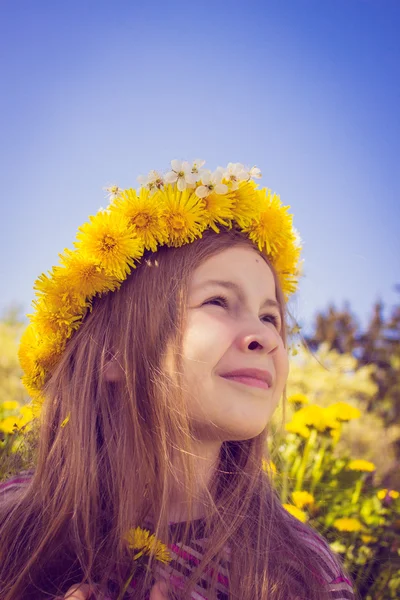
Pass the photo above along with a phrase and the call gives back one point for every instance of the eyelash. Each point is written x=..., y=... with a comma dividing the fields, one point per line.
x=224, y=300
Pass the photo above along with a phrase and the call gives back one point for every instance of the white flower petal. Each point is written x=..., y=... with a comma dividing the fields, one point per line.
x=217, y=175
x=255, y=172
x=181, y=185
x=198, y=163
x=206, y=177
x=142, y=179
x=176, y=165
x=191, y=178
x=234, y=186
x=171, y=177
x=153, y=176
x=186, y=167
x=221, y=188
x=202, y=191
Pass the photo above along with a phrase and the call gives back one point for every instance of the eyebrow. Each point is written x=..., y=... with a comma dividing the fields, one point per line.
x=230, y=285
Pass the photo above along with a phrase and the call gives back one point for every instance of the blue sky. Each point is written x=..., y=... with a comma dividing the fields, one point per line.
x=96, y=92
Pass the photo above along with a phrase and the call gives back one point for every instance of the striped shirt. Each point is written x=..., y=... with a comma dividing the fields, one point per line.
x=186, y=558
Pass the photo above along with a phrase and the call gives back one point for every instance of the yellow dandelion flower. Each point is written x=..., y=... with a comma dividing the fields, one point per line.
x=26, y=415
x=343, y=411
x=268, y=466
x=9, y=424
x=247, y=201
x=109, y=239
x=369, y=539
x=10, y=405
x=218, y=209
x=302, y=499
x=316, y=416
x=296, y=512
x=298, y=399
x=37, y=349
x=57, y=291
x=287, y=266
x=34, y=382
x=361, y=465
x=144, y=214
x=54, y=320
x=273, y=229
x=385, y=492
x=85, y=275
x=145, y=543
x=298, y=428
x=185, y=216
x=348, y=524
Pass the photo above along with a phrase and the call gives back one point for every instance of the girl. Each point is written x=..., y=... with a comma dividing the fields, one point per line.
x=157, y=352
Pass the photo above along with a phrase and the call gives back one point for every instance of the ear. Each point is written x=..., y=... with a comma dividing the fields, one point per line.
x=113, y=371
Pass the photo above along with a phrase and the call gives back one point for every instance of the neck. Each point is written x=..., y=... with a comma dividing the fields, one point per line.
x=205, y=456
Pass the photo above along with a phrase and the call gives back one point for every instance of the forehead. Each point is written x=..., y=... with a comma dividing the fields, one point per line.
x=241, y=265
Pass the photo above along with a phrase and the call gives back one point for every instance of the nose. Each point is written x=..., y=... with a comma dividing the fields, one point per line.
x=264, y=338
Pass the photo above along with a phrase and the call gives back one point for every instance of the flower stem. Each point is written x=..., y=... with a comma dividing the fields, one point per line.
x=303, y=465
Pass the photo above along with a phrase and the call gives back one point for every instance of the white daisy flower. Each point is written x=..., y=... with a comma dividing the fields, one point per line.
x=113, y=191
x=154, y=180
x=196, y=168
x=255, y=173
x=212, y=182
x=235, y=172
x=181, y=174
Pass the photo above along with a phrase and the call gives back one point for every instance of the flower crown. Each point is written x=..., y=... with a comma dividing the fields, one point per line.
x=173, y=210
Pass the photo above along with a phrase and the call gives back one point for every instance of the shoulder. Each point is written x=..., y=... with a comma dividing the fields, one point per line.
x=330, y=566
x=15, y=483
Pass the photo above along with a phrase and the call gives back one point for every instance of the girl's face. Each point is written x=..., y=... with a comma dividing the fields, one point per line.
x=233, y=323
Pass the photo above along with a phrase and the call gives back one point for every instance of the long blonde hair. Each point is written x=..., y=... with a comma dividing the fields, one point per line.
x=110, y=466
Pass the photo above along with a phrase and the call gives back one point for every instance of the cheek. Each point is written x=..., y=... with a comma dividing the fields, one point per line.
x=282, y=366
x=205, y=339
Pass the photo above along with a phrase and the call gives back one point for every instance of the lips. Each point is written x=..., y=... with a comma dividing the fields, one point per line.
x=255, y=377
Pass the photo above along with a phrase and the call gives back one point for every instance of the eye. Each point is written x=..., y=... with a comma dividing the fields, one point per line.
x=272, y=319
x=218, y=300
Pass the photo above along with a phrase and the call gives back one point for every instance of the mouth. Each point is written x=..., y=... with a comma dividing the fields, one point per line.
x=251, y=381
x=250, y=377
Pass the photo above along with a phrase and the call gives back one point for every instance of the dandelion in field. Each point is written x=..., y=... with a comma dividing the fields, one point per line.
x=9, y=405
x=343, y=411
x=268, y=466
x=348, y=524
x=298, y=399
x=384, y=493
x=302, y=499
x=298, y=428
x=361, y=465
x=296, y=512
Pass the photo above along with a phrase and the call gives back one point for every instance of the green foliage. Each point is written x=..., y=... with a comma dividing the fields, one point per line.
x=337, y=495
x=17, y=439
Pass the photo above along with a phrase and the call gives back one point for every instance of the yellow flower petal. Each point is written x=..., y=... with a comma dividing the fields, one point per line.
x=296, y=512
x=85, y=275
x=10, y=405
x=273, y=228
x=143, y=542
x=298, y=399
x=361, y=465
x=348, y=524
x=298, y=428
x=302, y=499
x=343, y=411
x=109, y=239
x=145, y=215
x=185, y=217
